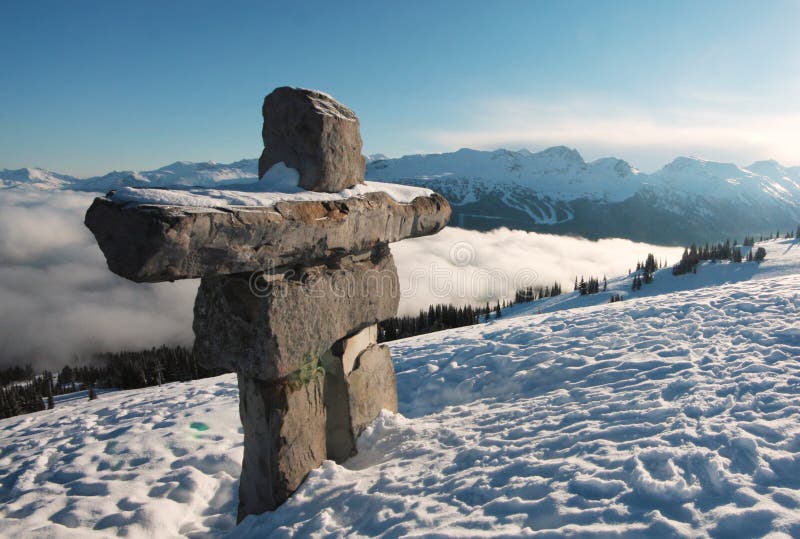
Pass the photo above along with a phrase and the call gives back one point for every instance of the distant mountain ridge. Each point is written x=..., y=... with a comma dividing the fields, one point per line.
x=179, y=173
x=554, y=191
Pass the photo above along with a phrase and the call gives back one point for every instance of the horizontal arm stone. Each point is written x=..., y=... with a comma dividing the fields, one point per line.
x=149, y=243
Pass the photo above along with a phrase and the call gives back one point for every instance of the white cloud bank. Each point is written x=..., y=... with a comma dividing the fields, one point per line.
x=58, y=299
x=464, y=266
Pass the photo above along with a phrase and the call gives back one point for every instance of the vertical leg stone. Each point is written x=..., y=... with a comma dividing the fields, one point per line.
x=372, y=386
x=359, y=382
x=284, y=439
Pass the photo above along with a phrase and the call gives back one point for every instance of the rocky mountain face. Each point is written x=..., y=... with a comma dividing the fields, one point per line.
x=553, y=191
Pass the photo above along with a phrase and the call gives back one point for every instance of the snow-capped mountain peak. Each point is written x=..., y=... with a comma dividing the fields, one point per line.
x=561, y=153
x=619, y=167
x=695, y=165
x=774, y=170
x=33, y=176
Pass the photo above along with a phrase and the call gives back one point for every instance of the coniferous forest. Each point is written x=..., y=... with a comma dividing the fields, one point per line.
x=693, y=255
x=23, y=391
x=439, y=317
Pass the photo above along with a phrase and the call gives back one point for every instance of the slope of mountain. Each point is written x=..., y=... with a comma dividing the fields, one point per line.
x=553, y=191
x=670, y=415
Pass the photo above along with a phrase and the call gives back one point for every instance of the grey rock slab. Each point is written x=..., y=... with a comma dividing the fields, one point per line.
x=313, y=133
x=150, y=243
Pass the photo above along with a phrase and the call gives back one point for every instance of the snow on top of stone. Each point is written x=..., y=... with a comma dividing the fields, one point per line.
x=278, y=185
x=326, y=104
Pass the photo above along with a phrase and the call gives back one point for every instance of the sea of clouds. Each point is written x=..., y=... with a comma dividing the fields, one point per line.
x=58, y=300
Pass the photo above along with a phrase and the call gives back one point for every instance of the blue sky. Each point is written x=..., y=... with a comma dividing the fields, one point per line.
x=87, y=87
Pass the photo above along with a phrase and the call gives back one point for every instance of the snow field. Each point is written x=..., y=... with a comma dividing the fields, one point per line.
x=155, y=462
x=665, y=415
x=662, y=417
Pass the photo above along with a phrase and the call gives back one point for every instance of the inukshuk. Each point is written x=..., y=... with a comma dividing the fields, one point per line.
x=291, y=290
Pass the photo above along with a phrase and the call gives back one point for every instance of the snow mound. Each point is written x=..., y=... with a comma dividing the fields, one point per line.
x=671, y=415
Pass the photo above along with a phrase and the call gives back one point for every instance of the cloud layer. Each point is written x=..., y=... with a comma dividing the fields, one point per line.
x=464, y=266
x=58, y=299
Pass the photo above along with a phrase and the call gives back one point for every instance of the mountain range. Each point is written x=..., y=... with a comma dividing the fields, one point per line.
x=554, y=191
x=557, y=191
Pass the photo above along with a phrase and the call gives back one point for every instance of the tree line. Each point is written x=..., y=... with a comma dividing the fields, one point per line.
x=694, y=254
x=447, y=316
x=24, y=392
x=436, y=318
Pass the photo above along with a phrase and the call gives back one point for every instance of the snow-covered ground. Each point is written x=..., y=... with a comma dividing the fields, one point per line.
x=673, y=414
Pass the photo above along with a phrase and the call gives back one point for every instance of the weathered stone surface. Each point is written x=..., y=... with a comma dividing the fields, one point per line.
x=293, y=319
x=354, y=399
x=166, y=243
x=339, y=441
x=352, y=346
x=284, y=439
x=314, y=134
x=372, y=386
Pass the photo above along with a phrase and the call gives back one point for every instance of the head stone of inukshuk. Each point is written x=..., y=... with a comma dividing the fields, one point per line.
x=291, y=286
